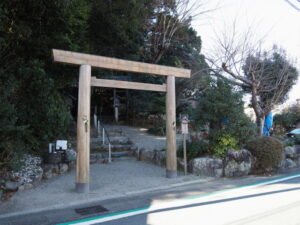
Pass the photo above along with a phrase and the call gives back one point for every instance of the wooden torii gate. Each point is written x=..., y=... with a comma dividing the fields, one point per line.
x=86, y=61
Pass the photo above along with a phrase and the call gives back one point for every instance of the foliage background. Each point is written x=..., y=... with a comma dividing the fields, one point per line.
x=38, y=96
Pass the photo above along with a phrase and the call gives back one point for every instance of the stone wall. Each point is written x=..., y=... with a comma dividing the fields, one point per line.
x=291, y=157
x=158, y=157
x=29, y=175
x=237, y=163
x=58, y=165
x=206, y=166
x=32, y=171
x=234, y=164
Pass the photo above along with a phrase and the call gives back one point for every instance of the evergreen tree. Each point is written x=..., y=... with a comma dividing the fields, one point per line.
x=117, y=28
x=31, y=84
x=222, y=108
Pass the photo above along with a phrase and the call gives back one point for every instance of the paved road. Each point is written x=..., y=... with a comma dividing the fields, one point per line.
x=274, y=203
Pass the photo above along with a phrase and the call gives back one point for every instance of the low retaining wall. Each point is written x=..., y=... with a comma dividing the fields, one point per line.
x=32, y=171
x=29, y=175
x=234, y=164
x=291, y=157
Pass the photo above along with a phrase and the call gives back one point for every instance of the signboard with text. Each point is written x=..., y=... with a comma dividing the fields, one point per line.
x=184, y=125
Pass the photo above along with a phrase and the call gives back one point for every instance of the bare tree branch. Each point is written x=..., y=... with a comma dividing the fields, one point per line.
x=239, y=59
x=293, y=5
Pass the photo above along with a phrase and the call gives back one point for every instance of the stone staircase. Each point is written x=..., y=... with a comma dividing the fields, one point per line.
x=121, y=146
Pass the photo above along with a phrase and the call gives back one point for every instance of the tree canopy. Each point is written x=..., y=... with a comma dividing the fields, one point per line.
x=267, y=75
x=272, y=75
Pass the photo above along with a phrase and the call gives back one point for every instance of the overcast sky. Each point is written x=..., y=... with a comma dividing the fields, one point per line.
x=275, y=20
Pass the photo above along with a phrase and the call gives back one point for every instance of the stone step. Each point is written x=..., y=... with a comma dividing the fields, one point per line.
x=103, y=157
x=113, y=154
x=123, y=158
x=114, y=147
x=120, y=140
x=113, y=140
x=111, y=131
x=119, y=154
x=124, y=147
x=114, y=132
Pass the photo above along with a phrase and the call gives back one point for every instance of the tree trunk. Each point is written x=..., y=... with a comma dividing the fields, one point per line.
x=261, y=122
x=260, y=117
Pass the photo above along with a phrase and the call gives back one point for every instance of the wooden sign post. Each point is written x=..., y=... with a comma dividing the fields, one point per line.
x=184, y=131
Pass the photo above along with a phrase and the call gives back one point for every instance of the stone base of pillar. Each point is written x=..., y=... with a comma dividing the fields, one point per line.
x=171, y=173
x=82, y=188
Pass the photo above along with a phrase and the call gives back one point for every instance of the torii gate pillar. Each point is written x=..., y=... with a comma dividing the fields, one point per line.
x=171, y=159
x=83, y=130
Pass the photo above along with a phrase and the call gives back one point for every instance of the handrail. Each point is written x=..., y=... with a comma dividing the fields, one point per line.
x=104, y=133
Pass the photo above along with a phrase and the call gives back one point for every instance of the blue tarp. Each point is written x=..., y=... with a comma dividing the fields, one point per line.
x=268, y=124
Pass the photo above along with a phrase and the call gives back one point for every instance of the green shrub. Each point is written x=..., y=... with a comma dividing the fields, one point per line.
x=221, y=141
x=158, y=129
x=16, y=162
x=267, y=152
x=221, y=107
x=194, y=149
x=243, y=129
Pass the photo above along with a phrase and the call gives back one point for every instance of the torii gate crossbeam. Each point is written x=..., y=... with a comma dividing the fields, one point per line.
x=86, y=62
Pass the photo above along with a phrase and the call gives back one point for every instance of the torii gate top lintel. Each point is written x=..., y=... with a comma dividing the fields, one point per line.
x=76, y=58
x=86, y=62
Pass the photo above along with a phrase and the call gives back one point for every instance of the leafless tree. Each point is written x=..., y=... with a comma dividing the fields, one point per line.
x=266, y=75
